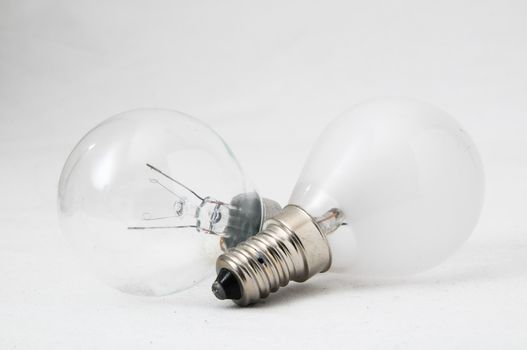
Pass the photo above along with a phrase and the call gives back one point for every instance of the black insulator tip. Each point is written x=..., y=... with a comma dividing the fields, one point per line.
x=226, y=286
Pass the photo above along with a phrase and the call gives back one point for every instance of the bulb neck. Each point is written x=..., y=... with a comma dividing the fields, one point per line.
x=269, y=209
x=291, y=247
x=247, y=214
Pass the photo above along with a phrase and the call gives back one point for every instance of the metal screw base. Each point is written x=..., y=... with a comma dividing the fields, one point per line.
x=291, y=247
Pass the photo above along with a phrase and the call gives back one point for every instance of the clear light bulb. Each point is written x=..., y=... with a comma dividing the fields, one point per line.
x=400, y=183
x=148, y=197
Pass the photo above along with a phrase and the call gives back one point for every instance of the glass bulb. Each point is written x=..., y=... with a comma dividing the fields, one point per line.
x=147, y=196
x=408, y=180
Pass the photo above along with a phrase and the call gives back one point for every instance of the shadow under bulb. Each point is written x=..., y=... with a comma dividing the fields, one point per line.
x=149, y=197
x=391, y=187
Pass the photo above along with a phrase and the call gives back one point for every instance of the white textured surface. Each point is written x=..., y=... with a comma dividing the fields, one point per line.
x=267, y=77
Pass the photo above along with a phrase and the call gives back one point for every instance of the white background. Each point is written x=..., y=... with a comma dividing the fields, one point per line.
x=267, y=76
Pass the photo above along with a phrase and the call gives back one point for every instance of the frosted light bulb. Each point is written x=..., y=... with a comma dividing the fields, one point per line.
x=402, y=175
x=148, y=196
